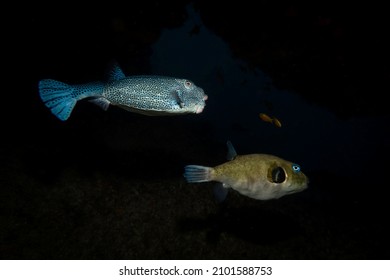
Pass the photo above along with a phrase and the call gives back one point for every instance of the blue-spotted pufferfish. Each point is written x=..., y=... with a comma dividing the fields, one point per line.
x=148, y=95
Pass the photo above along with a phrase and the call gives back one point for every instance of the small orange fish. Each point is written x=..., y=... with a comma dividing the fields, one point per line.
x=273, y=120
x=276, y=122
x=265, y=117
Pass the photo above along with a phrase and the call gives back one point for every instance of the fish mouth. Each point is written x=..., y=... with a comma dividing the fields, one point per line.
x=304, y=187
x=199, y=109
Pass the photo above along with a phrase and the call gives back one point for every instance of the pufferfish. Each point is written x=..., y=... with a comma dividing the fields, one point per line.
x=258, y=176
x=147, y=95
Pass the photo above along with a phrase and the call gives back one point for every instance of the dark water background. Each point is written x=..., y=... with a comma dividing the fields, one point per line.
x=109, y=185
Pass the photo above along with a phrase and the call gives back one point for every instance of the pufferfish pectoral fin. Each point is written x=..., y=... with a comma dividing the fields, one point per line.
x=220, y=192
x=176, y=96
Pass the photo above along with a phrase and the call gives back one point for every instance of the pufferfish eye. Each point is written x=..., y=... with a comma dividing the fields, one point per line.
x=187, y=84
x=278, y=175
x=296, y=168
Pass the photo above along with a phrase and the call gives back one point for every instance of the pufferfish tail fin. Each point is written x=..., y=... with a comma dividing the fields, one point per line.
x=57, y=96
x=198, y=173
x=61, y=98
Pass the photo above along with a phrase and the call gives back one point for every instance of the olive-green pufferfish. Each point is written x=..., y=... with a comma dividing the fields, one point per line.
x=147, y=95
x=259, y=176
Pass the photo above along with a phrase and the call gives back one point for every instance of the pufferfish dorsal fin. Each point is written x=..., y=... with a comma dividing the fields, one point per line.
x=115, y=72
x=231, y=154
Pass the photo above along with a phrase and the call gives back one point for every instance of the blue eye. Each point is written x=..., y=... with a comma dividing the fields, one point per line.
x=296, y=168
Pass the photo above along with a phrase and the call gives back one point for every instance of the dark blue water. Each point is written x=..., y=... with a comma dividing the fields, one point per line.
x=310, y=134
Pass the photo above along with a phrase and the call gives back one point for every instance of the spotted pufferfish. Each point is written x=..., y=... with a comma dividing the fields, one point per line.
x=148, y=95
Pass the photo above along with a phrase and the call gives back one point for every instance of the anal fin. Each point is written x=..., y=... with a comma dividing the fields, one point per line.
x=101, y=102
x=220, y=192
